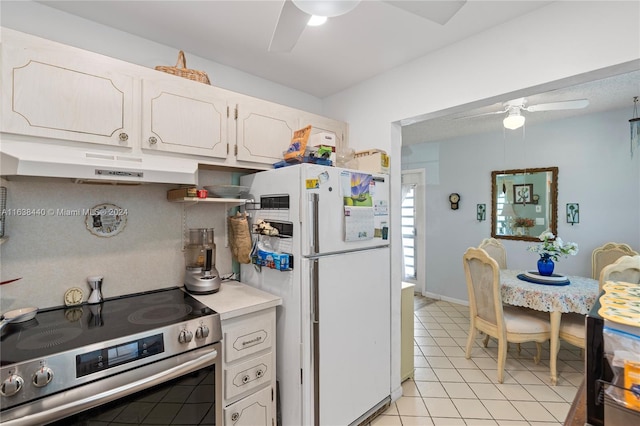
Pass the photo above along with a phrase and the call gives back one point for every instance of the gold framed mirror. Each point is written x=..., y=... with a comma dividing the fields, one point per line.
x=524, y=203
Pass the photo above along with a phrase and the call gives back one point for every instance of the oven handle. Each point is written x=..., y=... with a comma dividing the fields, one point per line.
x=65, y=410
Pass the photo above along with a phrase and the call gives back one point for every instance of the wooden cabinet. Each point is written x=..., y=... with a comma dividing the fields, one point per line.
x=254, y=410
x=66, y=94
x=248, y=364
x=321, y=124
x=263, y=130
x=178, y=116
x=60, y=93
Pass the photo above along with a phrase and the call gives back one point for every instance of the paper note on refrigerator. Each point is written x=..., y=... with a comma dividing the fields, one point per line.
x=358, y=223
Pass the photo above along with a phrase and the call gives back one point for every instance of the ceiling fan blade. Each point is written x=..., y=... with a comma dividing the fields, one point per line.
x=480, y=115
x=437, y=11
x=291, y=24
x=555, y=106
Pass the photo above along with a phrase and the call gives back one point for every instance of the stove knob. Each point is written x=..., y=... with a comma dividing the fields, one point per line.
x=202, y=332
x=11, y=385
x=185, y=336
x=42, y=377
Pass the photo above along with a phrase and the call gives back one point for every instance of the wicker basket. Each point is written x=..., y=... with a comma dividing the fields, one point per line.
x=181, y=70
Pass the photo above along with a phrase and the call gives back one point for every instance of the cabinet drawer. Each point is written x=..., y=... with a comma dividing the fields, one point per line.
x=248, y=375
x=253, y=334
x=254, y=410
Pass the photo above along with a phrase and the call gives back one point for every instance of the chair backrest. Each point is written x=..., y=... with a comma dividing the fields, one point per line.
x=483, y=285
x=626, y=268
x=495, y=250
x=606, y=255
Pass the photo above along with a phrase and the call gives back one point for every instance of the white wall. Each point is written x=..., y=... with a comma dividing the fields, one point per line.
x=595, y=170
x=572, y=40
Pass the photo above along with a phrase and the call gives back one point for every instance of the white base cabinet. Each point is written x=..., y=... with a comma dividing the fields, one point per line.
x=248, y=365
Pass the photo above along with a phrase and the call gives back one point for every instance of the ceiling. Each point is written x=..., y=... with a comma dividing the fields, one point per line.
x=605, y=94
x=371, y=39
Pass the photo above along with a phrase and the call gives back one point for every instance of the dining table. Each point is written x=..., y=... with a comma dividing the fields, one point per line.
x=579, y=296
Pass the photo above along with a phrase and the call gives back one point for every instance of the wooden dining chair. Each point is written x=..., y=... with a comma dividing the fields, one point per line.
x=506, y=324
x=495, y=249
x=626, y=268
x=606, y=255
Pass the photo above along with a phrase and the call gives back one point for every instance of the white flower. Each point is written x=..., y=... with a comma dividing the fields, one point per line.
x=553, y=249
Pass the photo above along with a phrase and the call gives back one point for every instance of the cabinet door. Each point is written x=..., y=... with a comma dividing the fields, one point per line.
x=254, y=410
x=322, y=124
x=264, y=130
x=65, y=93
x=187, y=118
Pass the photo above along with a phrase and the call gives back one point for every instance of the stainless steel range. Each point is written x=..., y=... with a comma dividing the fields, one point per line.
x=126, y=360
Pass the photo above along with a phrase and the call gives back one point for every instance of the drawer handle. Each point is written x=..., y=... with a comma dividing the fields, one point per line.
x=123, y=137
x=153, y=140
x=259, y=373
x=235, y=417
x=245, y=379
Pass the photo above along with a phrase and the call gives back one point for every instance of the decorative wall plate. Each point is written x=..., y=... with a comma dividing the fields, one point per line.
x=106, y=220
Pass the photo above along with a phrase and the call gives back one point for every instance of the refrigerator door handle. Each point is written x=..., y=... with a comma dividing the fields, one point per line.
x=314, y=233
x=315, y=335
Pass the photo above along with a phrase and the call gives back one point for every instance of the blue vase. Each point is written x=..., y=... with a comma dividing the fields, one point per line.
x=545, y=266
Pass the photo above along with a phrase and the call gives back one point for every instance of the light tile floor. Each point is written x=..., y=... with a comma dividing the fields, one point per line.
x=448, y=389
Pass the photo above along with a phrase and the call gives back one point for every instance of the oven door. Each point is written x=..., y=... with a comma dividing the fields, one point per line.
x=185, y=389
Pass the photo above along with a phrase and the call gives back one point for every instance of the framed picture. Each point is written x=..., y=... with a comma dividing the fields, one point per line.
x=573, y=213
x=522, y=193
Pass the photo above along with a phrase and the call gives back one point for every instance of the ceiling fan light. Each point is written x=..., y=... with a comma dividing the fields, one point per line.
x=513, y=121
x=328, y=8
x=316, y=21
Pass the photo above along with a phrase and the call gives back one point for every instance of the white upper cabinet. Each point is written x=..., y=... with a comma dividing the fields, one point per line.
x=64, y=94
x=263, y=130
x=179, y=116
x=321, y=124
x=57, y=93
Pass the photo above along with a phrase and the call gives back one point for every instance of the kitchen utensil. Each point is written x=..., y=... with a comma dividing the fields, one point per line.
x=18, y=315
x=201, y=275
x=95, y=282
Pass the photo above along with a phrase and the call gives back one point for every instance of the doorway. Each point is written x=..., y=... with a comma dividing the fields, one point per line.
x=413, y=227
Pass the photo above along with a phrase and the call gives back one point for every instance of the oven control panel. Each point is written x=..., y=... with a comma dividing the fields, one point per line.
x=112, y=356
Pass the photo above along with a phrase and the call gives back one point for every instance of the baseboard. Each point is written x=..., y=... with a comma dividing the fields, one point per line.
x=446, y=298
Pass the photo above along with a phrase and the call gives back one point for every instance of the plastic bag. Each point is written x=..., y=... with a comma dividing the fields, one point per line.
x=298, y=144
x=623, y=351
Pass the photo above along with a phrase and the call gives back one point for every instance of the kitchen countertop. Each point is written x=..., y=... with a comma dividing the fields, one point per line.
x=235, y=299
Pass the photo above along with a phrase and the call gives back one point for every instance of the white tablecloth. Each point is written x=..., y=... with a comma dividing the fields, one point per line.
x=579, y=296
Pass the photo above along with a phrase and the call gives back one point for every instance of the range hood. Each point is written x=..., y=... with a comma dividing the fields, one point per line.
x=25, y=158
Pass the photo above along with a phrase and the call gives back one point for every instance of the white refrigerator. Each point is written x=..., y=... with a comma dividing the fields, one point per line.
x=334, y=326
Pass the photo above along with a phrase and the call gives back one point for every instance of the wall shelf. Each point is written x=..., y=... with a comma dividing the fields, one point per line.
x=196, y=200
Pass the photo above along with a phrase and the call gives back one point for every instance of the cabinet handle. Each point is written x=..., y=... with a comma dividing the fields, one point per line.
x=123, y=137
x=153, y=140
x=235, y=417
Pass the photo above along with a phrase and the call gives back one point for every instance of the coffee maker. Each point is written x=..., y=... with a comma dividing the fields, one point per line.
x=201, y=276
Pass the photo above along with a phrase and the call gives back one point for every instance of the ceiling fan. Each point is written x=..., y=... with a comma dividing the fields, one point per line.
x=295, y=15
x=513, y=110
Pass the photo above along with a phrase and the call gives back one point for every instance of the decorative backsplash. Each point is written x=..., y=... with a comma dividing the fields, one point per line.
x=50, y=246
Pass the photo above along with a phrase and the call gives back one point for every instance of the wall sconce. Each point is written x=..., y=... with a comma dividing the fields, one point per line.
x=634, y=123
x=481, y=212
x=573, y=213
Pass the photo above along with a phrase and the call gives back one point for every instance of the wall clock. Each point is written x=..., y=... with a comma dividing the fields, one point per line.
x=454, y=199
